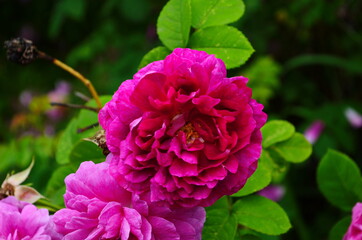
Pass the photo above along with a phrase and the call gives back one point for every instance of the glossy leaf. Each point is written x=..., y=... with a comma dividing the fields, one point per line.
x=262, y=215
x=158, y=53
x=226, y=42
x=174, y=23
x=296, y=149
x=276, y=131
x=339, y=179
x=219, y=223
x=259, y=180
x=206, y=13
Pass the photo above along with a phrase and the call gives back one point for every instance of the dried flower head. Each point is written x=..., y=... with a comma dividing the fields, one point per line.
x=21, y=50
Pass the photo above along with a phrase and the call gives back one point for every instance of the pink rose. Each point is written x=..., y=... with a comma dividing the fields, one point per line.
x=98, y=208
x=183, y=131
x=21, y=220
x=355, y=229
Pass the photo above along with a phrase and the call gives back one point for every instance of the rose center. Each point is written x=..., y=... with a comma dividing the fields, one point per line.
x=190, y=132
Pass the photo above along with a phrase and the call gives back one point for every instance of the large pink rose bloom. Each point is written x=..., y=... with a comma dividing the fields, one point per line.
x=98, y=208
x=183, y=131
x=24, y=221
x=355, y=229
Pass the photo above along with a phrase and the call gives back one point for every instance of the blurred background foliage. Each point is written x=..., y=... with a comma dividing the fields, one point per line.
x=307, y=66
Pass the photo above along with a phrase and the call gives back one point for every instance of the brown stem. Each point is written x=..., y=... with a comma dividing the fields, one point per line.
x=69, y=105
x=80, y=130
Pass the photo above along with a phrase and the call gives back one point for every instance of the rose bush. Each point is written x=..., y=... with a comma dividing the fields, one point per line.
x=98, y=208
x=183, y=131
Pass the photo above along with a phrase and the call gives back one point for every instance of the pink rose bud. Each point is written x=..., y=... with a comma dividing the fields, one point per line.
x=353, y=117
x=313, y=132
x=273, y=192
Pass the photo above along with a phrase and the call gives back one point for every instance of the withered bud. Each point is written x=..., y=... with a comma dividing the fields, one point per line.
x=21, y=50
x=100, y=140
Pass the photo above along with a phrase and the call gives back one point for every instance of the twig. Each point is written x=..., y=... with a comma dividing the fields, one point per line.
x=69, y=105
x=82, y=96
x=80, y=130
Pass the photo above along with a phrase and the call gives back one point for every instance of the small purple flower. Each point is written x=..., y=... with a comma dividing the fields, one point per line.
x=273, y=192
x=21, y=220
x=313, y=132
x=354, y=231
x=353, y=117
x=59, y=94
x=26, y=97
x=99, y=208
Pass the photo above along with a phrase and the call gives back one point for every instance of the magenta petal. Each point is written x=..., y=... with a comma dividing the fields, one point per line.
x=163, y=229
x=188, y=117
x=180, y=168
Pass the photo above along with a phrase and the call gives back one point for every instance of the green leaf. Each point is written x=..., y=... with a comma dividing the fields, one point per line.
x=158, y=53
x=259, y=180
x=86, y=151
x=56, y=186
x=262, y=215
x=174, y=23
x=219, y=225
x=206, y=13
x=65, y=9
x=276, y=131
x=70, y=138
x=66, y=141
x=227, y=43
x=339, y=229
x=339, y=179
x=296, y=149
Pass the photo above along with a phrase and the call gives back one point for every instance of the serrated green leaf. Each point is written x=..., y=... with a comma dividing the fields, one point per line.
x=259, y=180
x=296, y=149
x=276, y=131
x=339, y=179
x=227, y=43
x=158, y=53
x=339, y=229
x=206, y=13
x=262, y=215
x=174, y=23
x=219, y=225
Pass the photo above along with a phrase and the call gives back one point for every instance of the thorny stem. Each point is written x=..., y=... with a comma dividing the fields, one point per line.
x=68, y=105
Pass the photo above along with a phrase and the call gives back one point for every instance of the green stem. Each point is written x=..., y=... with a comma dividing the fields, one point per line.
x=44, y=203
